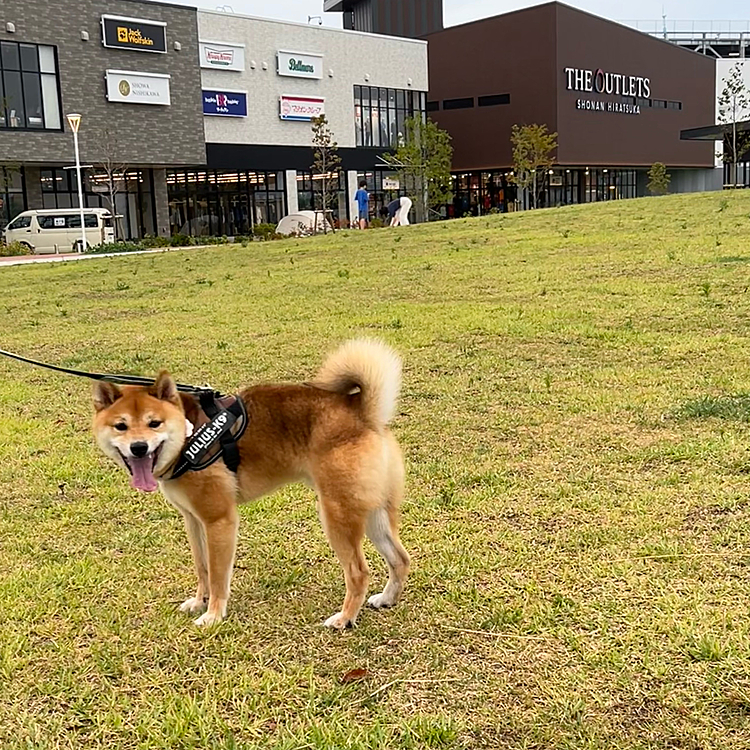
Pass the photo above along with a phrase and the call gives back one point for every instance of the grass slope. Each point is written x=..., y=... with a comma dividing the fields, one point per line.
x=574, y=419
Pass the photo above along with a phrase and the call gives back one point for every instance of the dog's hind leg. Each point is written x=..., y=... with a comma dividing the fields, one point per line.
x=383, y=533
x=197, y=537
x=382, y=529
x=221, y=539
x=345, y=533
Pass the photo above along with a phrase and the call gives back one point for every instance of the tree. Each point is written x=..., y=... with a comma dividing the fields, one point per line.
x=658, y=179
x=326, y=163
x=734, y=107
x=423, y=162
x=111, y=170
x=533, y=155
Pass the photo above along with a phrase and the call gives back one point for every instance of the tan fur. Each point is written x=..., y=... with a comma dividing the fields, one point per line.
x=331, y=434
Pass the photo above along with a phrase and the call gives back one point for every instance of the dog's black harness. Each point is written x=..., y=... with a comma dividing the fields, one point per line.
x=217, y=438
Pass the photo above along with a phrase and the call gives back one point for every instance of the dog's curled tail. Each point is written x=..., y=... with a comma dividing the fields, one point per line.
x=370, y=366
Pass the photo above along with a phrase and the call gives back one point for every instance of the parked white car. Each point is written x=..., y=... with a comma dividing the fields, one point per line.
x=58, y=230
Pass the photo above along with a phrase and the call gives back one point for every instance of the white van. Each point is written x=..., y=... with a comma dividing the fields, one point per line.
x=58, y=230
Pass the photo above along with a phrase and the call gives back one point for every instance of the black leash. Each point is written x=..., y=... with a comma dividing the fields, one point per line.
x=227, y=422
x=195, y=390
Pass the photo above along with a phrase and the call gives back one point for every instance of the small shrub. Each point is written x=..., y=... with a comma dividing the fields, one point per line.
x=220, y=240
x=181, y=240
x=14, y=248
x=658, y=179
x=376, y=223
x=265, y=231
x=122, y=246
x=149, y=242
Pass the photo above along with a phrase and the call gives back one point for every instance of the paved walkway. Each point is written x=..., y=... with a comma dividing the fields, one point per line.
x=23, y=260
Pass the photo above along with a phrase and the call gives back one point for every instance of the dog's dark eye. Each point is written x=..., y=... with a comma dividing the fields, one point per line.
x=154, y=423
x=121, y=426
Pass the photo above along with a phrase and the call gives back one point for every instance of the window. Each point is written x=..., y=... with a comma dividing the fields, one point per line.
x=465, y=103
x=674, y=105
x=12, y=194
x=22, y=222
x=29, y=97
x=494, y=100
x=229, y=203
x=380, y=113
x=68, y=221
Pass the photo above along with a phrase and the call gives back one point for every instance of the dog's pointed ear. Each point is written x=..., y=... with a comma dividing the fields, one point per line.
x=105, y=394
x=165, y=389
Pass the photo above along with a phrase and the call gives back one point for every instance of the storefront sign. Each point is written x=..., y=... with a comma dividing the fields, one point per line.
x=302, y=108
x=593, y=105
x=225, y=103
x=137, y=88
x=222, y=56
x=390, y=184
x=134, y=33
x=300, y=65
x=601, y=82
x=610, y=84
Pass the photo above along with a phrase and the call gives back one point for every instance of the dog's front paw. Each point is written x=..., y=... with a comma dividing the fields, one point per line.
x=339, y=622
x=380, y=601
x=207, y=619
x=193, y=606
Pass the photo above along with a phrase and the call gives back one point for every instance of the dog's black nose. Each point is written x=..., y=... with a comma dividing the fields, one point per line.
x=139, y=450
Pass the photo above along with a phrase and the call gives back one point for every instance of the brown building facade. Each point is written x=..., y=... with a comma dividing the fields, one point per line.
x=617, y=98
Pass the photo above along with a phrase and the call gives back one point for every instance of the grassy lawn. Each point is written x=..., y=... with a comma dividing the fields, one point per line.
x=574, y=419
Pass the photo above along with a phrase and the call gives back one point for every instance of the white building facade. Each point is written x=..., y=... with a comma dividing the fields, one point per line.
x=262, y=83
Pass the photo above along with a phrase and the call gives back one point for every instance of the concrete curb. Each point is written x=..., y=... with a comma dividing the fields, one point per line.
x=26, y=260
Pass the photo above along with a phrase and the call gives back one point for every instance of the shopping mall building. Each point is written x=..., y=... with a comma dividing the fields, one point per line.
x=208, y=114
x=618, y=100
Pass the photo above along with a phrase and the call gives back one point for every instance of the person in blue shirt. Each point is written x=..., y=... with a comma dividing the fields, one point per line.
x=363, y=204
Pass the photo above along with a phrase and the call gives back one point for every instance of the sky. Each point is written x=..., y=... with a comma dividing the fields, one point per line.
x=461, y=11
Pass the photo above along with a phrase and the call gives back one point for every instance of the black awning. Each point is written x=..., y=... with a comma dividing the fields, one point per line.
x=713, y=132
x=241, y=156
x=337, y=5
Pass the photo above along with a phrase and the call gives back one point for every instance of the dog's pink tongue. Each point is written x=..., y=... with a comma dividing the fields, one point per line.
x=143, y=476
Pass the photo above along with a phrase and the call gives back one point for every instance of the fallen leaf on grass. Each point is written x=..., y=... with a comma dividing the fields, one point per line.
x=354, y=675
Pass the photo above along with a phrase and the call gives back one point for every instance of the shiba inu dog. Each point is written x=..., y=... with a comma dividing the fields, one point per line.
x=331, y=434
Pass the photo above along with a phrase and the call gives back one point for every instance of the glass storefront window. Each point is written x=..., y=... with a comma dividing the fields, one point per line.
x=224, y=203
x=379, y=114
x=12, y=198
x=134, y=206
x=29, y=96
x=310, y=195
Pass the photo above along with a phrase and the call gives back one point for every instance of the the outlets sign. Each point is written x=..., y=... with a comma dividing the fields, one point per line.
x=612, y=84
x=601, y=82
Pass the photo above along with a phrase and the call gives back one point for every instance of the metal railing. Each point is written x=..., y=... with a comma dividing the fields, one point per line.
x=720, y=29
x=721, y=39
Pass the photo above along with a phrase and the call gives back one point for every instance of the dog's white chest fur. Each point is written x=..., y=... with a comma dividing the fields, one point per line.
x=177, y=498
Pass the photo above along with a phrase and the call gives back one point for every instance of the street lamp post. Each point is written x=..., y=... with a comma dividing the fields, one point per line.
x=74, y=120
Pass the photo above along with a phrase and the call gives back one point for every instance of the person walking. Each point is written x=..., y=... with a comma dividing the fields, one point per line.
x=362, y=197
